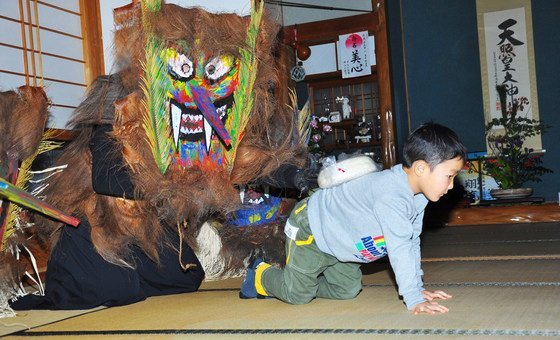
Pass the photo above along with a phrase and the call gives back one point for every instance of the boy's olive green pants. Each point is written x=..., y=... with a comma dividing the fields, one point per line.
x=309, y=272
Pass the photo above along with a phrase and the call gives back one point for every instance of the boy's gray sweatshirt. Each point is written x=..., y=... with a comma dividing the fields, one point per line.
x=370, y=217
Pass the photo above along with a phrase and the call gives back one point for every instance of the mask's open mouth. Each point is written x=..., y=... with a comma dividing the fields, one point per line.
x=189, y=124
x=251, y=197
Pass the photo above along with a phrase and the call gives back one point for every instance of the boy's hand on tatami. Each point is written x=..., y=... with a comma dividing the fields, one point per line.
x=429, y=307
x=437, y=294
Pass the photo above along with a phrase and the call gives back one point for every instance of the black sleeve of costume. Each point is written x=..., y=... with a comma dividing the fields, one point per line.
x=290, y=176
x=79, y=278
x=109, y=173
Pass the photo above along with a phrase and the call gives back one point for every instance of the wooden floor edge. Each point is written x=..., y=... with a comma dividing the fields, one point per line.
x=518, y=213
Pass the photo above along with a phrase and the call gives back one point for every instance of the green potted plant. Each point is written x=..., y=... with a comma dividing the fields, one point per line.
x=510, y=162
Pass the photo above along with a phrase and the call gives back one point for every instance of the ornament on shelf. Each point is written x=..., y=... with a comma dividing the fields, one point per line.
x=363, y=132
x=334, y=117
x=346, y=108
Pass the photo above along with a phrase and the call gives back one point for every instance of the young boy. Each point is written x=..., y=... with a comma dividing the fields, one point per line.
x=359, y=221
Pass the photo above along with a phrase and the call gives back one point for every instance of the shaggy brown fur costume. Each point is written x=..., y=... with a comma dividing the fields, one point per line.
x=183, y=197
x=23, y=116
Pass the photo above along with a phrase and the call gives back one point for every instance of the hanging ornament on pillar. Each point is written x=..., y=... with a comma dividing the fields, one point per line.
x=298, y=72
x=303, y=52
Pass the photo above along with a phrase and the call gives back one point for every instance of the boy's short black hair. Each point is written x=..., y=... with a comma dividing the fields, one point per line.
x=434, y=144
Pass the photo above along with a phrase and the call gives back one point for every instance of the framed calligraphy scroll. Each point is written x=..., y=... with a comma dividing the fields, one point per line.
x=505, y=35
x=354, y=52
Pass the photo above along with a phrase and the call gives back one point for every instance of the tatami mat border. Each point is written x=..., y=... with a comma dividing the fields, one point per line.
x=492, y=258
x=478, y=284
x=417, y=331
x=437, y=284
x=434, y=242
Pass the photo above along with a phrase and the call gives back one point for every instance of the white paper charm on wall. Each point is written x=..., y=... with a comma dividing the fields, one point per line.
x=353, y=54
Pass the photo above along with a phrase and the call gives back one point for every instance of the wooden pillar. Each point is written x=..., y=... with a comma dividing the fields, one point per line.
x=94, y=65
x=388, y=139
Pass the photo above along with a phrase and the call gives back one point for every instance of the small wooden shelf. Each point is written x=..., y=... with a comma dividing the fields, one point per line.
x=331, y=147
x=346, y=123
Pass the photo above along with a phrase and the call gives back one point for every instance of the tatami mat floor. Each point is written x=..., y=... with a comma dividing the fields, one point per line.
x=496, y=295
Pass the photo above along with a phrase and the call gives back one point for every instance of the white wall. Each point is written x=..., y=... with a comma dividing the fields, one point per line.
x=284, y=15
x=241, y=7
x=298, y=15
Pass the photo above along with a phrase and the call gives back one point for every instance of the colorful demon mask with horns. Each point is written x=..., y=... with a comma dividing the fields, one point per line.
x=198, y=101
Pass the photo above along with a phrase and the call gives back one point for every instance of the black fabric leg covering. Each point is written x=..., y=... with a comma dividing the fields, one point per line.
x=168, y=277
x=79, y=278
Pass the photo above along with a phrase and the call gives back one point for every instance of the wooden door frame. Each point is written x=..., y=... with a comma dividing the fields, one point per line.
x=93, y=41
x=327, y=31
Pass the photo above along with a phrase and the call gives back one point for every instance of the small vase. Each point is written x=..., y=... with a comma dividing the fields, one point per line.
x=511, y=193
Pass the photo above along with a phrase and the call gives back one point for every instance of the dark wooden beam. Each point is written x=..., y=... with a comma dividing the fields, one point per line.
x=319, y=32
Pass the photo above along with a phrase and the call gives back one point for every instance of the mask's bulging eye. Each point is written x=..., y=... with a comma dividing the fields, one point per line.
x=180, y=67
x=218, y=67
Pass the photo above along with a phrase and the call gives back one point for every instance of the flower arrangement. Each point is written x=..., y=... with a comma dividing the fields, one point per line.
x=511, y=163
x=317, y=135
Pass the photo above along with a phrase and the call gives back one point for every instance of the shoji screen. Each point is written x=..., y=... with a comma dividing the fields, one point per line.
x=43, y=44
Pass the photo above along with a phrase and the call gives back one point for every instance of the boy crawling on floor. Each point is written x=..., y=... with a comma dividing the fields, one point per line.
x=330, y=234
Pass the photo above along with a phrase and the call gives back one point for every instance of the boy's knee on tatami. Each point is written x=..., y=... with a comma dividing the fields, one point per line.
x=298, y=298
x=295, y=295
x=339, y=293
x=349, y=294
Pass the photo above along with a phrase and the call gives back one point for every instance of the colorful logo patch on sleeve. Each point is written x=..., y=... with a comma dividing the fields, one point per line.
x=371, y=248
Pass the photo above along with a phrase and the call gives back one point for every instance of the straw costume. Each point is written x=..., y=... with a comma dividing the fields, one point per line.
x=164, y=146
x=23, y=116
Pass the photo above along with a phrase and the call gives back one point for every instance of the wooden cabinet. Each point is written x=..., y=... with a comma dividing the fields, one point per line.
x=369, y=97
x=356, y=103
